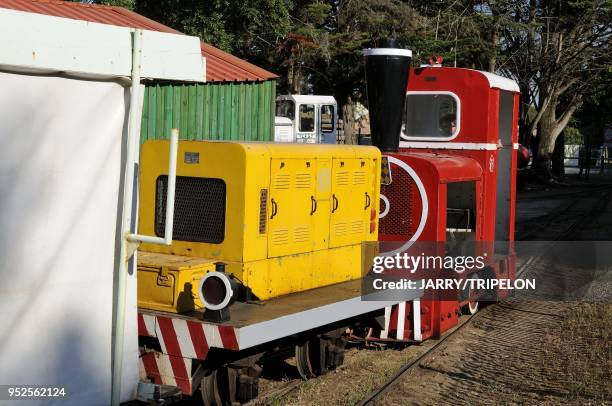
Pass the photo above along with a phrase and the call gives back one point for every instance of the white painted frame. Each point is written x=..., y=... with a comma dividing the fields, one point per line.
x=424, y=205
x=404, y=137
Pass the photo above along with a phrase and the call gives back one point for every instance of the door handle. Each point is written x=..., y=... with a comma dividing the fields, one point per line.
x=335, y=203
x=313, y=206
x=368, y=201
x=274, y=209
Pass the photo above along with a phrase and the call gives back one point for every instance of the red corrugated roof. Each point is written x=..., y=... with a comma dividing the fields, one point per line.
x=220, y=66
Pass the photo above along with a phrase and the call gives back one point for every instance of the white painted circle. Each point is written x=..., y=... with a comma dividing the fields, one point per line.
x=387, y=206
x=424, y=204
x=228, y=290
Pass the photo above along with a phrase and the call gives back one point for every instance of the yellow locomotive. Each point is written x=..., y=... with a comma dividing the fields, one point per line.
x=254, y=220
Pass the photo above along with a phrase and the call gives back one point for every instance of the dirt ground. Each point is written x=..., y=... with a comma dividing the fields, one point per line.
x=517, y=352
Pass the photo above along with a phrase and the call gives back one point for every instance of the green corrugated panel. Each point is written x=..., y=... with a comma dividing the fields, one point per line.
x=267, y=111
x=168, y=109
x=207, y=104
x=261, y=112
x=152, y=112
x=235, y=116
x=247, y=111
x=241, y=110
x=214, y=112
x=144, y=127
x=183, y=118
x=199, y=112
x=254, y=111
x=226, y=111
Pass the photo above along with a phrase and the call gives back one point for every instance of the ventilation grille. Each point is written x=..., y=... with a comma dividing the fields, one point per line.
x=342, y=178
x=302, y=180
x=359, y=178
x=357, y=227
x=199, y=209
x=341, y=229
x=282, y=181
x=301, y=234
x=404, y=214
x=263, y=210
x=280, y=236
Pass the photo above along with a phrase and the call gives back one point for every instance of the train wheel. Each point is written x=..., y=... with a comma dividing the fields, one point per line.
x=318, y=355
x=302, y=360
x=472, y=296
x=209, y=390
x=219, y=387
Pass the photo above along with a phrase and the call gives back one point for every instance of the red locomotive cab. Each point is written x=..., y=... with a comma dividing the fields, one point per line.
x=471, y=114
x=452, y=176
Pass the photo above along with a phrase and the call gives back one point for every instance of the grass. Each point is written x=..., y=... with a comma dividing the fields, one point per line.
x=362, y=373
x=584, y=351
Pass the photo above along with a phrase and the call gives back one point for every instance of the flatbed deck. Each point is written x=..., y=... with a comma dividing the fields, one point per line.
x=256, y=323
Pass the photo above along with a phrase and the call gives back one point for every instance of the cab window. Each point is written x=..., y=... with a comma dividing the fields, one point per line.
x=430, y=116
x=327, y=118
x=285, y=108
x=307, y=118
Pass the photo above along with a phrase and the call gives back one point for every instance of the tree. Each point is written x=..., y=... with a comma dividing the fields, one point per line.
x=555, y=49
x=247, y=29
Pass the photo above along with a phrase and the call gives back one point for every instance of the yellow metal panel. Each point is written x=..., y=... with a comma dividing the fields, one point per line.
x=244, y=167
x=320, y=236
x=291, y=205
x=169, y=282
x=347, y=224
x=295, y=273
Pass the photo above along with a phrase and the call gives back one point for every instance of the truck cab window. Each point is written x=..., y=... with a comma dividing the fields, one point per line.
x=285, y=108
x=431, y=116
x=307, y=118
x=327, y=118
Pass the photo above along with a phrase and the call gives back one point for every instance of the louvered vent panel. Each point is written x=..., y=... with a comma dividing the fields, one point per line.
x=302, y=180
x=199, y=209
x=342, y=178
x=282, y=181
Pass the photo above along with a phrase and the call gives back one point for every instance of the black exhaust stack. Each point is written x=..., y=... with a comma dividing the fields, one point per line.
x=387, y=69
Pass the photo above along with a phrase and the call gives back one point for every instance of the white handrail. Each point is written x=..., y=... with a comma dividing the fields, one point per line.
x=167, y=238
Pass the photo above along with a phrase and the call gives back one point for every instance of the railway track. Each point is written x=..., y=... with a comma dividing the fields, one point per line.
x=558, y=225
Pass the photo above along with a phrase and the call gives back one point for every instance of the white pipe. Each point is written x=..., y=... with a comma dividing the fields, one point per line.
x=126, y=222
x=416, y=319
x=167, y=239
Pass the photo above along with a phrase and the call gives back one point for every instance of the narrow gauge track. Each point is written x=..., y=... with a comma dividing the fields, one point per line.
x=556, y=222
x=557, y=225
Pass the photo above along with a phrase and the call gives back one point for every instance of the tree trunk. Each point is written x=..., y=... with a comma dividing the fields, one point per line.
x=348, y=117
x=558, y=160
x=290, y=78
x=494, y=40
x=546, y=145
x=524, y=134
x=549, y=128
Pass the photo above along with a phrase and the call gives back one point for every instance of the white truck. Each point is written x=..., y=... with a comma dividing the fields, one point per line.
x=306, y=119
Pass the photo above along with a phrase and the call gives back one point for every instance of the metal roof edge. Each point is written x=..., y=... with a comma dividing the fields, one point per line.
x=42, y=43
x=221, y=67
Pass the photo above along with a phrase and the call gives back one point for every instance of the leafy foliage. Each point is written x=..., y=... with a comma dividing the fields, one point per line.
x=558, y=51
